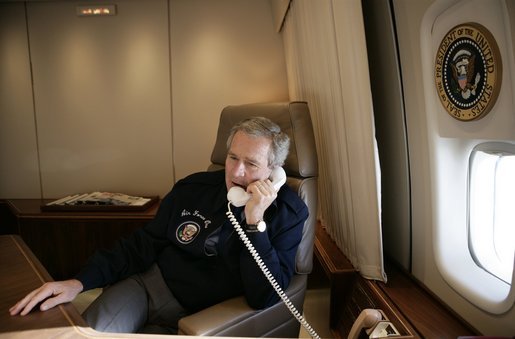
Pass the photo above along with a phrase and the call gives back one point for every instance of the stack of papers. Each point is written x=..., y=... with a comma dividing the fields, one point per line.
x=100, y=198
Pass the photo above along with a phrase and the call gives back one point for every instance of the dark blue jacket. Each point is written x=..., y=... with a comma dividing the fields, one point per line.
x=201, y=257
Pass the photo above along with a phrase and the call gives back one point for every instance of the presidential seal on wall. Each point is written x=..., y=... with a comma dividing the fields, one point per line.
x=468, y=71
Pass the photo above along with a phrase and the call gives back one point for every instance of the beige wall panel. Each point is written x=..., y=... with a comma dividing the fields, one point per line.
x=102, y=98
x=223, y=52
x=102, y=112
x=19, y=171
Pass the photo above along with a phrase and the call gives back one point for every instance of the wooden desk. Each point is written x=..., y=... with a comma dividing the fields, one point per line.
x=20, y=273
x=63, y=241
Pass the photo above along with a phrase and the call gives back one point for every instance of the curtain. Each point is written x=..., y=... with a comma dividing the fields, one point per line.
x=327, y=66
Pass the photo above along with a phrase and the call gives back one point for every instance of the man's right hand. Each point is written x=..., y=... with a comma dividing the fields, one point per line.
x=52, y=293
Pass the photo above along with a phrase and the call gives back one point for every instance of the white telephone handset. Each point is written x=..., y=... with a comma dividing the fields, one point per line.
x=368, y=318
x=371, y=320
x=238, y=197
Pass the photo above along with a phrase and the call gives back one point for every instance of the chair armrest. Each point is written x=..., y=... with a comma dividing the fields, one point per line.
x=213, y=319
x=233, y=317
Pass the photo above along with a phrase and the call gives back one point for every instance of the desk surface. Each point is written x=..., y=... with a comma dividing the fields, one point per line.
x=20, y=273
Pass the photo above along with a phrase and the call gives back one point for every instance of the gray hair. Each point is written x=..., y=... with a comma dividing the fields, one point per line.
x=264, y=127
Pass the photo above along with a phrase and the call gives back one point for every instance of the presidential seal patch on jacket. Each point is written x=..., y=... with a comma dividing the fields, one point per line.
x=187, y=231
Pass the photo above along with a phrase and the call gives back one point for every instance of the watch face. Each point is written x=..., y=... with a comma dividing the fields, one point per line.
x=468, y=71
x=261, y=226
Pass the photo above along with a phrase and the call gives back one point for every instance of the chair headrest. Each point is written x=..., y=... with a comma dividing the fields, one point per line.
x=293, y=118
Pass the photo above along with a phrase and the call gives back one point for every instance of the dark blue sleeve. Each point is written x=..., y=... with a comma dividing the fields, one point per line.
x=130, y=255
x=277, y=247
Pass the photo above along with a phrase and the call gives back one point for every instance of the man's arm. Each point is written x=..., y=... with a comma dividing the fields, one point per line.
x=130, y=255
x=103, y=267
x=52, y=293
x=277, y=248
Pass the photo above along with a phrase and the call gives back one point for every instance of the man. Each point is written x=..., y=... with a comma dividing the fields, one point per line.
x=189, y=257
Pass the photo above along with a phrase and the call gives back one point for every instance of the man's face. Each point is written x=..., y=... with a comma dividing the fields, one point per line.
x=247, y=160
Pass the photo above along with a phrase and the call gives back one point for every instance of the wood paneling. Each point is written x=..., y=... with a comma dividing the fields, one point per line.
x=7, y=220
x=413, y=311
x=63, y=241
x=426, y=312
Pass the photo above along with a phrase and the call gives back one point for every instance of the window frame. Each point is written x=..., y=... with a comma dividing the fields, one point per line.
x=493, y=148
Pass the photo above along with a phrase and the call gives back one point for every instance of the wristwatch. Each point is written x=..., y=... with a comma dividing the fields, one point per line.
x=259, y=227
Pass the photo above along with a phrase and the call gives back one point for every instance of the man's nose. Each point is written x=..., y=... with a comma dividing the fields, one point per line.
x=239, y=169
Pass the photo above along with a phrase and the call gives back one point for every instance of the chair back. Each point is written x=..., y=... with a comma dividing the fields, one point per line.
x=301, y=165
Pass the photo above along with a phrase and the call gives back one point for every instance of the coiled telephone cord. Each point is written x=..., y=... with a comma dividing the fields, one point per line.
x=269, y=275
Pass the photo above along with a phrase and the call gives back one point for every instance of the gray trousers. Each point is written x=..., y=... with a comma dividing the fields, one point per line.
x=142, y=303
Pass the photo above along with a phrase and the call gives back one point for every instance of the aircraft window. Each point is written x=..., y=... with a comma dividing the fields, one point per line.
x=491, y=208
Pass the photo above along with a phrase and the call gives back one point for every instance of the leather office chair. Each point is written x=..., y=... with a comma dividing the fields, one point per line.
x=234, y=317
